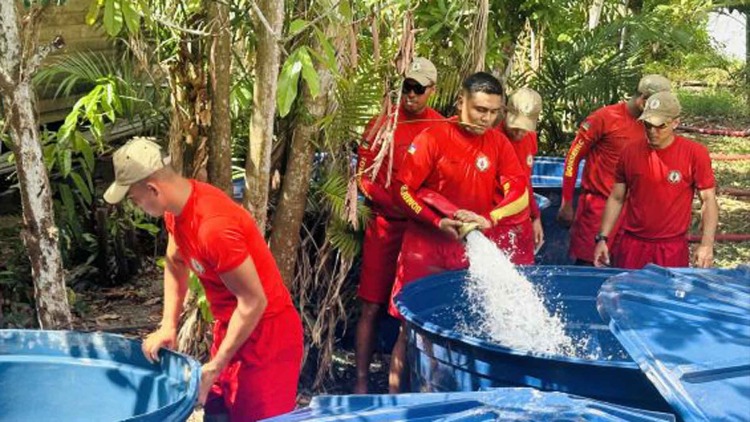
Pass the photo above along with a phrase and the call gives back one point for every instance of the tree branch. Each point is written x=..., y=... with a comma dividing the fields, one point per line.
x=41, y=53
x=270, y=30
x=6, y=83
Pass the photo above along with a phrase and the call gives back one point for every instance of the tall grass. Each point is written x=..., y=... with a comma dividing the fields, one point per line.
x=714, y=102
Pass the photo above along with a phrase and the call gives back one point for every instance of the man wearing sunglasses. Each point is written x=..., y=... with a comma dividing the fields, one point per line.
x=600, y=139
x=659, y=178
x=385, y=229
x=474, y=168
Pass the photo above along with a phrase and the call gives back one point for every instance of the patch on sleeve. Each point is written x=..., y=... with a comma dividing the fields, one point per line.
x=412, y=149
x=585, y=125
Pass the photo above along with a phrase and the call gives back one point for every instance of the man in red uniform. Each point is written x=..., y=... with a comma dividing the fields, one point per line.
x=468, y=164
x=519, y=126
x=659, y=179
x=600, y=139
x=257, y=337
x=385, y=229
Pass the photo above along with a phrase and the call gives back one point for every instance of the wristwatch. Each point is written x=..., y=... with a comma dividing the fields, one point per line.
x=599, y=237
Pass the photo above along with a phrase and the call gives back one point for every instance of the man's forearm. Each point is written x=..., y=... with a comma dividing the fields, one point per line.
x=611, y=213
x=175, y=289
x=709, y=221
x=241, y=325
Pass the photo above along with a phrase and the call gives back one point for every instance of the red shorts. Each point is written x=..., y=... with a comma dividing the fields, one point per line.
x=587, y=223
x=261, y=380
x=635, y=253
x=426, y=251
x=379, y=255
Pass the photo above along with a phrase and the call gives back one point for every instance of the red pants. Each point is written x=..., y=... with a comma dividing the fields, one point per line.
x=635, y=253
x=426, y=251
x=587, y=223
x=379, y=255
x=261, y=380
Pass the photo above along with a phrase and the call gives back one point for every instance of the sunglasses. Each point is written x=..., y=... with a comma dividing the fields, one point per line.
x=413, y=87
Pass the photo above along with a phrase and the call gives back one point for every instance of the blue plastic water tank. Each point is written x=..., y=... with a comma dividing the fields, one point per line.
x=443, y=359
x=690, y=331
x=70, y=376
x=546, y=177
x=518, y=404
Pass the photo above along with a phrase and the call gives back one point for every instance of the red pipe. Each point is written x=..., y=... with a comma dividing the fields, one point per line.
x=730, y=157
x=735, y=192
x=722, y=237
x=719, y=132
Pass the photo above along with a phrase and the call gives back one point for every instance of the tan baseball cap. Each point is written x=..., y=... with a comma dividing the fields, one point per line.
x=651, y=84
x=660, y=108
x=524, y=107
x=422, y=71
x=138, y=159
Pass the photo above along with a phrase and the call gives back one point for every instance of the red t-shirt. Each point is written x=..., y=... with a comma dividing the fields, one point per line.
x=407, y=128
x=600, y=140
x=468, y=170
x=526, y=149
x=660, y=186
x=214, y=235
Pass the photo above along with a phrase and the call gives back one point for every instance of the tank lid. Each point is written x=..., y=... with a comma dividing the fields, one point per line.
x=689, y=331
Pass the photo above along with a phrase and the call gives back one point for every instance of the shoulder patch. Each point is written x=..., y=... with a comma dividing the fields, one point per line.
x=585, y=125
x=412, y=149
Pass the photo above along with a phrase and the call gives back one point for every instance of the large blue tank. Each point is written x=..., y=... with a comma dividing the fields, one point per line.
x=70, y=376
x=443, y=359
x=516, y=404
x=547, y=175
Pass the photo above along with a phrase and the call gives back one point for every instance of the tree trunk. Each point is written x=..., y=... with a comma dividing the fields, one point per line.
x=287, y=219
x=19, y=57
x=258, y=165
x=191, y=109
x=595, y=13
x=220, y=133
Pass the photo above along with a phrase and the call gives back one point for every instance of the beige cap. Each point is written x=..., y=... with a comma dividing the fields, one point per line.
x=524, y=107
x=661, y=107
x=651, y=84
x=133, y=162
x=422, y=71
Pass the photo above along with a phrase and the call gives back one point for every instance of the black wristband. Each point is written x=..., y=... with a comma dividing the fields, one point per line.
x=599, y=237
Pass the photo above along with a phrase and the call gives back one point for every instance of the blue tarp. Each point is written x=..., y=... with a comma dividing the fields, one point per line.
x=689, y=331
x=518, y=404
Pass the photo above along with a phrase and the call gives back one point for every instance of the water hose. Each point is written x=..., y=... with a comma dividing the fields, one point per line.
x=445, y=207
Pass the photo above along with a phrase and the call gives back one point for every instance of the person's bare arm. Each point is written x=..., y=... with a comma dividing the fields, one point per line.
x=175, y=287
x=609, y=219
x=245, y=284
x=703, y=256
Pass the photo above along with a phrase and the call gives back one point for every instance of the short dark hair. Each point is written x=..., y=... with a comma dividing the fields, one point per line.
x=483, y=82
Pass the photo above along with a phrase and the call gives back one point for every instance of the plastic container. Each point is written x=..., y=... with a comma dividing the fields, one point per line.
x=689, y=331
x=69, y=376
x=547, y=175
x=441, y=358
x=523, y=404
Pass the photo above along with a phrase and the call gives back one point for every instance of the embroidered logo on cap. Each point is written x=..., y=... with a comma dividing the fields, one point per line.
x=483, y=163
x=415, y=66
x=674, y=176
x=654, y=103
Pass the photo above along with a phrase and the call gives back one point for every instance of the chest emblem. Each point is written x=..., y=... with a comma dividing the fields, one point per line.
x=530, y=160
x=483, y=163
x=674, y=177
x=197, y=266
